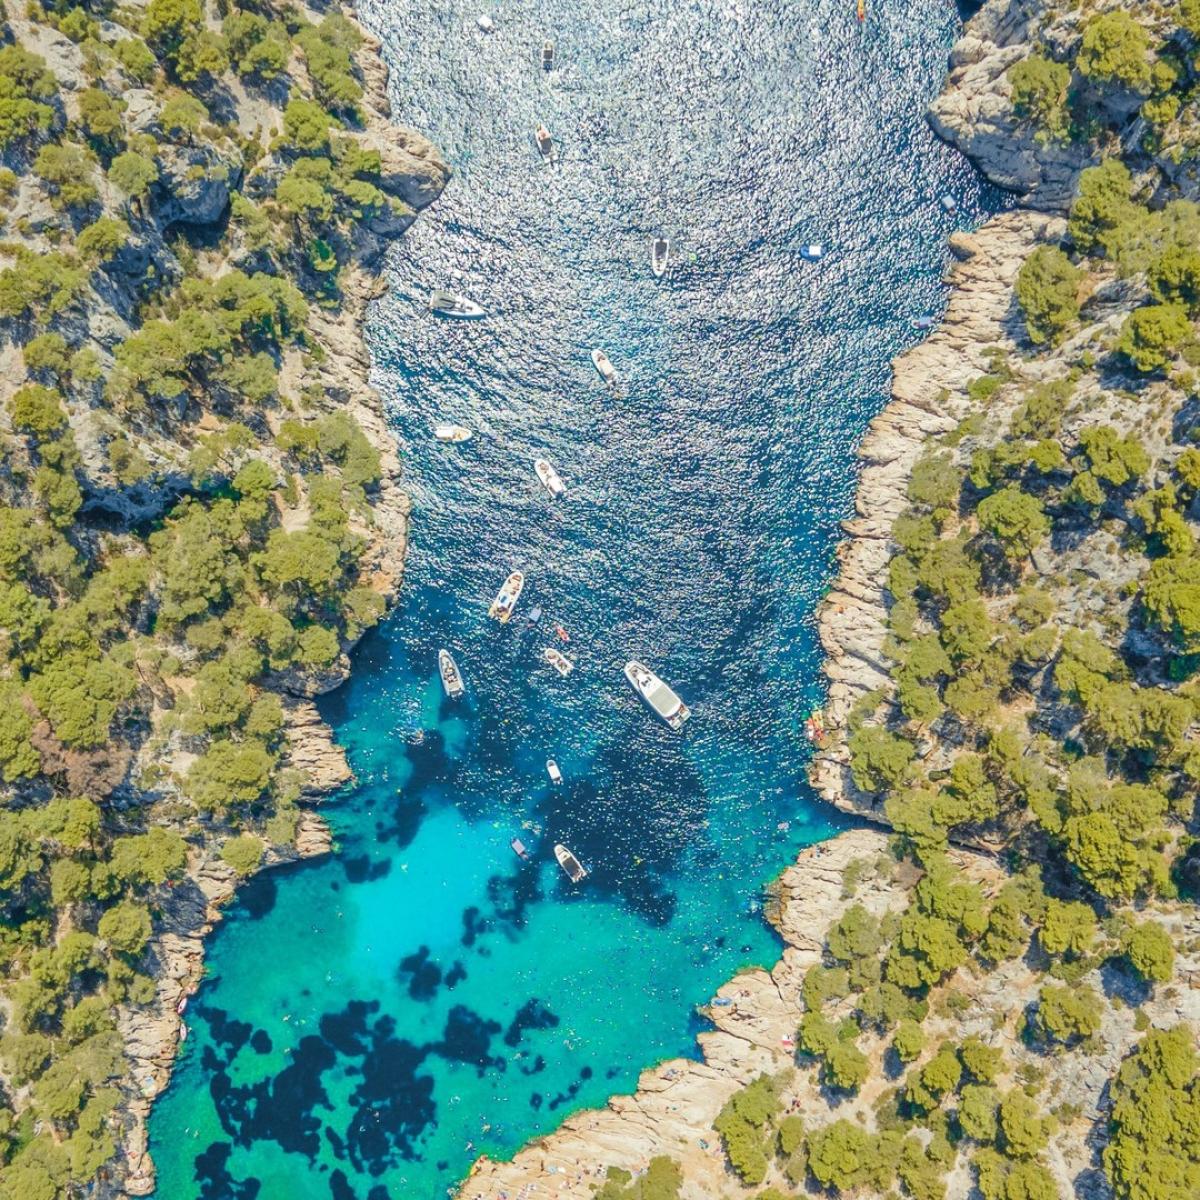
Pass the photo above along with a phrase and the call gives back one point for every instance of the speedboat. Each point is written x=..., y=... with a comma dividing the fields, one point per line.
x=518, y=848
x=657, y=694
x=660, y=255
x=569, y=863
x=559, y=661
x=602, y=364
x=553, y=771
x=486, y=23
x=813, y=252
x=925, y=322
x=452, y=433
x=549, y=477
x=451, y=678
x=507, y=597
x=545, y=143
x=949, y=203
x=451, y=304
x=547, y=55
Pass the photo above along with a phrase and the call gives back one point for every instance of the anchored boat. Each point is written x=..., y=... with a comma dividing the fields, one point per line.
x=545, y=143
x=569, y=863
x=451, y=677
x=507, y=597
x=451, y=304
x=813, y=252
x=549, y=477
x=602, y=364
x=452, y=433
x=559, y=661
x=547, y=55
x=657, y=694
x=553, y=771
x=660, y=255
x=518, y=848
x=485, y=23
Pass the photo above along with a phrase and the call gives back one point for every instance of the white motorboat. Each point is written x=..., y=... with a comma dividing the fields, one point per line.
x=813, y=252
x=518, y=848
x=559, y=661
x=545, y=143
x=660, y=255
x=601, y=362
x=486, y=23
x=949, y=203
x=549, y=477
x=452, y=433
x=657, y=694
x=569, y=863
x=451, y=304
x=507, y=597
x=547, y=55
x=553, y=771
x=451, y=677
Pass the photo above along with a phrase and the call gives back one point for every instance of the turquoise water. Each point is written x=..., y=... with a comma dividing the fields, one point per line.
x=375, y=1020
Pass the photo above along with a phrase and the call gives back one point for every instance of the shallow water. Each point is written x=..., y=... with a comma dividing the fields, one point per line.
x=375, y=1020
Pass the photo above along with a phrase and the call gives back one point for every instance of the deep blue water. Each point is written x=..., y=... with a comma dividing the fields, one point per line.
x=376, y=1019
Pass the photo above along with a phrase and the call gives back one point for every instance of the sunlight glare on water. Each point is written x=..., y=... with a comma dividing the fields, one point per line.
x=375, y=1020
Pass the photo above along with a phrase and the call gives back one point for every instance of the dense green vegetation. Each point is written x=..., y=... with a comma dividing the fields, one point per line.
x=144, y=656
x=1044, y=701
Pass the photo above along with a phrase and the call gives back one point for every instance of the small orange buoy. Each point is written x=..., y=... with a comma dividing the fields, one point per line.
x=862, y=10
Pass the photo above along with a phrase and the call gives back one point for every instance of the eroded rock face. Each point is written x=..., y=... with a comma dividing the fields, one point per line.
x=975, y=113
x=194, y=184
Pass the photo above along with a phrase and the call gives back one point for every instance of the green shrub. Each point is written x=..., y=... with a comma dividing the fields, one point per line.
x=1047, y=290
x=243, y=853
x=1150, y=951
x=1115, y=49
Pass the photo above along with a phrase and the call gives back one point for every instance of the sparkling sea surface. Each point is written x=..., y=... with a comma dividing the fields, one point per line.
x=373, y=1021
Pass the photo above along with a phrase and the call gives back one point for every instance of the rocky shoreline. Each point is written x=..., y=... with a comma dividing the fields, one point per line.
x=414, y=173
x=929, y=398
x=676, y=1102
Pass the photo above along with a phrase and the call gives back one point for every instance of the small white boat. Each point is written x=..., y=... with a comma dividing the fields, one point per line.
x=547, y=55
x=451, y=304
x=949, y=203
x=507, y=597
x=451, y=678
x=486, y=23
x=549, y=477
x=657, y=694
x=569, y=863
x=553, y=771
x=660, y=255
x=559, y=661
x=452, y=433
x=925, y=322
x=545, y=143
x=518, y=848
x=813, y=252
x=601, y=362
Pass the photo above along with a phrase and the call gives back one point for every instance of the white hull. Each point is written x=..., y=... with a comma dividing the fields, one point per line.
x=549, y=477
x=507, y=597
x=452, y=682
x=559, y=661
x=452, y=433
x=569, y=863
x=553, y=771
x=601, y=362
x=660, y=256
x=450, y=304
x=813, y=253
x=660, y=698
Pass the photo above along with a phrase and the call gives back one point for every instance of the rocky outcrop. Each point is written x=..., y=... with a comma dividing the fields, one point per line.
x=975, y=111
x=929, y=398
